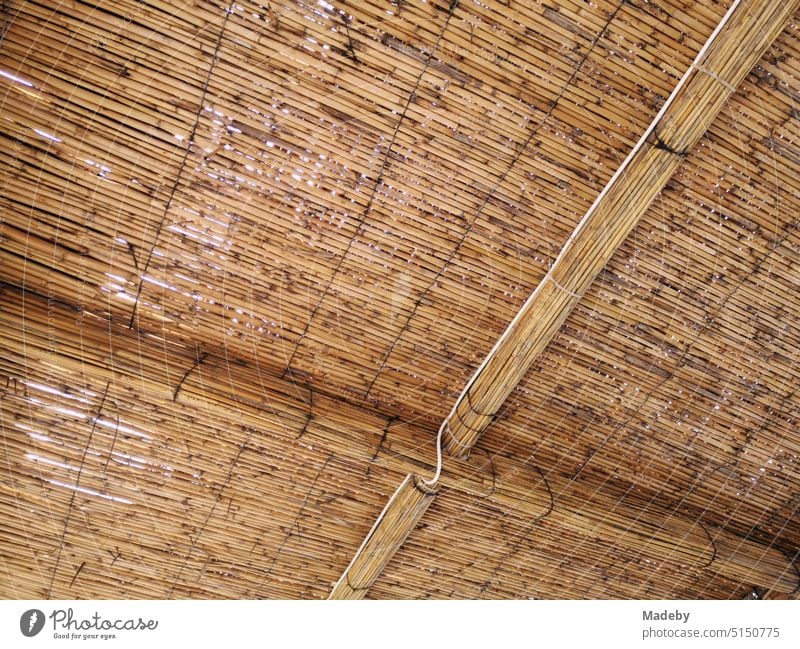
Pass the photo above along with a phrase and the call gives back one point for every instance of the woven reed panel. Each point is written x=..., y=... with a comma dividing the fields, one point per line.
x=303, y=169
x=359, y=202
x=678, y=373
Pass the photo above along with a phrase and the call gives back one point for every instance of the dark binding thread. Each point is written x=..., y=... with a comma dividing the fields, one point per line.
x=200, y=358
x=663, y=146
x=476, y=411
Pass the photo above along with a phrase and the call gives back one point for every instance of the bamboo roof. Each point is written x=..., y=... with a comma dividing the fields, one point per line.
x=251, y=255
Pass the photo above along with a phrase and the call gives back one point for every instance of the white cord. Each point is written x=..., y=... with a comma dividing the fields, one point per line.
x=620, y=170
x=432, y=482
x=716, y=77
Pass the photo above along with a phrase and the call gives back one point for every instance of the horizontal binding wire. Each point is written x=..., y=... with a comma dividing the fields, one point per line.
x=716, y=77
x=466, y=425
x=426, y=488
x=561, y=288
x=452, y=439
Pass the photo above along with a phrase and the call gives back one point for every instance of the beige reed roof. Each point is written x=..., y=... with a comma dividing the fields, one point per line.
x=251, y=255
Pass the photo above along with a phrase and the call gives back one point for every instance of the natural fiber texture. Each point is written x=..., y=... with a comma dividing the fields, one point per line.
x=401, y=514
x=336, y=431
x=251, y=253
x=732, y=52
